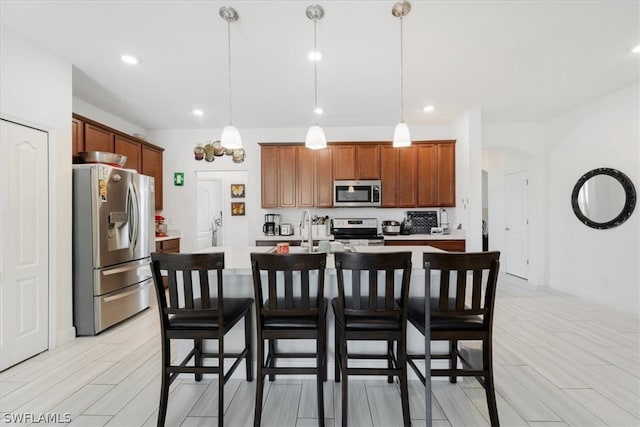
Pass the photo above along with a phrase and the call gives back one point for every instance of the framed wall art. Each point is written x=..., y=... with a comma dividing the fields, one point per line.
x=237, y=208
x=237, y=190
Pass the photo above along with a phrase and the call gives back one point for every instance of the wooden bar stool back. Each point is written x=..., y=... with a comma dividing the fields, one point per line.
x=289, y=306
x=366, y=310
x=462, y=311
x=196, y=311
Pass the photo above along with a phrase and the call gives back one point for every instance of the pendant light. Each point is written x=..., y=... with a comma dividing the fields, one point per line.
x=315, y=135
x=401, y=137
x=230, y=137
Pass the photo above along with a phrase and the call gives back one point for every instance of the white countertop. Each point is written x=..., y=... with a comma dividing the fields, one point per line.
x=292, y=238
x=239, y=259
x=455, y=235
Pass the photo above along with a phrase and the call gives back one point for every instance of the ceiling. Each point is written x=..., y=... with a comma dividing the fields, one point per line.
x=519, y=61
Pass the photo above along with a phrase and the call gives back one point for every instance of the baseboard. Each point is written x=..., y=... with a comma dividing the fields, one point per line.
x=65, y=337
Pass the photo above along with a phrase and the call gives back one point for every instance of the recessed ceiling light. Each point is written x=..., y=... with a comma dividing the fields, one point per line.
x=197, y=112
x=428, y=108
x=318, y=110
x=315, y=56
x=636, y=49
x=130, y=59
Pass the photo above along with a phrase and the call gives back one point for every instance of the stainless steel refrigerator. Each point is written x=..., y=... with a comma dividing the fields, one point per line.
x=113, y=236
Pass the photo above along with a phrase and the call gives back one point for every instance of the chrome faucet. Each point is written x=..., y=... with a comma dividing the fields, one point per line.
x=306, y=216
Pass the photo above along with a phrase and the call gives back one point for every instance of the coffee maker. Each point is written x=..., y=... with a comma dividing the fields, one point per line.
x=271, y=225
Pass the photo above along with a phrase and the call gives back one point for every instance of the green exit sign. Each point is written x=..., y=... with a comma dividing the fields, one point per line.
x=178, y=179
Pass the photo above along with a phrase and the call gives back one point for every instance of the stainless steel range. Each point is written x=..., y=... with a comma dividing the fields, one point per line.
x=357, y=231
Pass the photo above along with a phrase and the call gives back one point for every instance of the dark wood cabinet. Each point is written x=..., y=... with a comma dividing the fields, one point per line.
x=97, y=138
x=269, y=175
x=323, y=185
x=422, y=175
x=287, y=174
x=344, y=161
x=279, y=176
x=398, y=174
x=130, y=148
x=447, y=174
x=146, y=158
x=436, y=175
x=368, y=161
x=356, y=161
x=295, y=176
x=305, y=176
x=169, y=246
x=446, y=245
x=152, y=166
x=427, y=177
x=77, y=138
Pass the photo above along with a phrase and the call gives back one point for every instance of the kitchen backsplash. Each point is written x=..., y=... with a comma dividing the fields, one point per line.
x=294, y=215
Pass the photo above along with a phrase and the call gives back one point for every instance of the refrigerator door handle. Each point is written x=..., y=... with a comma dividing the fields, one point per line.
x=134, y=212
x=118, y=270
x=136, y=289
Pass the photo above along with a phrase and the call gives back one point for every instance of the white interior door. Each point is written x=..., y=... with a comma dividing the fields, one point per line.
x=24, y=231
x=209, y=214
x=516, y=228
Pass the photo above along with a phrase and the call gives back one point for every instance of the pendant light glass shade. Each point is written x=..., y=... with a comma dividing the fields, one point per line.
x=315, y=139
x=231, y=137
x=401, y=136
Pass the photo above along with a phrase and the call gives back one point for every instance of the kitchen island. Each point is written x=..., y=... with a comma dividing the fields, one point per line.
x=239, y=283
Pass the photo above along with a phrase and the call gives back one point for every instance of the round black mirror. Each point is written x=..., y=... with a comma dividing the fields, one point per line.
x=603, y=198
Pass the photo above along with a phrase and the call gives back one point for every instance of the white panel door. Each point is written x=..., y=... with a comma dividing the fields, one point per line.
x=24, y=268
x=209, y=214
x=516, y=229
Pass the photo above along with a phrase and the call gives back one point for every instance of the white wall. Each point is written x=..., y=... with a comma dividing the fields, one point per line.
x=36, y=91
x=467, y=130
x=509, y=148
x=179, y=202
x=598, y=264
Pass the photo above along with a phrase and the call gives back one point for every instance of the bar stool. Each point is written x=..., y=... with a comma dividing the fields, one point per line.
x=460, y=313
x=193, y=313
x=292, y=308
x=372, y=314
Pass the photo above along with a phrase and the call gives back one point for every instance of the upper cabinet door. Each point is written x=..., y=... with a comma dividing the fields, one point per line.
x=97, y=139
x=287, y=176
x=368, y=161
x=344, y=161
x=130, y=148
x=77, y=139
x=447, y=174
x=407, y=185
x=152, y=166
x=305, y=176
x=323, y=197
x=389, y=176
x=269, y=174
x=427, y=176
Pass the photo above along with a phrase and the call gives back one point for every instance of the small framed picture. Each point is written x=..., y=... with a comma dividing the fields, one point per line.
x=237, y=209
x=237, y=190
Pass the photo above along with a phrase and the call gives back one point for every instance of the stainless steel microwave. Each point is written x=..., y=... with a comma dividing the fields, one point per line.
x=354, y=194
